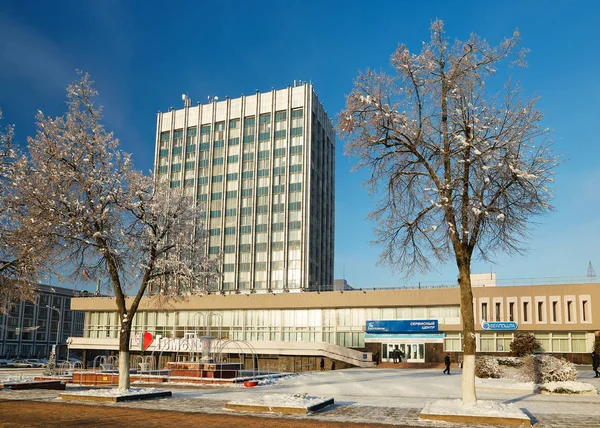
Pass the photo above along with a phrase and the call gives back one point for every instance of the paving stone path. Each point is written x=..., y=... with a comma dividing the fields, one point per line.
x=584, y=413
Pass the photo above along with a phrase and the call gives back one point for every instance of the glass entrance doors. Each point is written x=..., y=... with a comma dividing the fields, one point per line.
x=411, y=352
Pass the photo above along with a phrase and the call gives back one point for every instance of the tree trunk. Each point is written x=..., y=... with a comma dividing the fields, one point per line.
x=469, y=344
x=124, y=383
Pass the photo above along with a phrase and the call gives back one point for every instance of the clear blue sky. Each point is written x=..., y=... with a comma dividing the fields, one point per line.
x=144, y=55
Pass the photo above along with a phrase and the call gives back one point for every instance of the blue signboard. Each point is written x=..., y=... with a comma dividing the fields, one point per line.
x=428, y=336
x=402, y=326
x=499, y=325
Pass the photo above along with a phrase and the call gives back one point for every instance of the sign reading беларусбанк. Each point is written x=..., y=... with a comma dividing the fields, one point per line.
x=402, y=326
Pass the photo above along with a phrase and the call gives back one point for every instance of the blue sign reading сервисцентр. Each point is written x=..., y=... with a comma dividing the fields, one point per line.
x=402, y=326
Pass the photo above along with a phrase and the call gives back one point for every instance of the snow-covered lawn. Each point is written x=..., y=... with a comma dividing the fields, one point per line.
x=482, y=408
x=569, y=387
x=299, y=401
x=406, y=388
x=115, y=392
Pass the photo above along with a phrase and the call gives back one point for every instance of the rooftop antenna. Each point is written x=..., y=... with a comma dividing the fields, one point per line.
x=187, y=101
x=591, y=273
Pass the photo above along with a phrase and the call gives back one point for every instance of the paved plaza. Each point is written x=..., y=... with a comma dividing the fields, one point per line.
x=364, y=396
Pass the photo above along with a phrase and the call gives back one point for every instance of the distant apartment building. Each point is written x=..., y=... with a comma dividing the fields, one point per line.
x=263, y=167
x=29, y=329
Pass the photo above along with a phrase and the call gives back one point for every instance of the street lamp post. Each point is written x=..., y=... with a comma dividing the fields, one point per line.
x=54, y=308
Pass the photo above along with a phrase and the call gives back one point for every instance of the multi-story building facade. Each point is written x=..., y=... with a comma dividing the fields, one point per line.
x=29, y=329
x=263, y=166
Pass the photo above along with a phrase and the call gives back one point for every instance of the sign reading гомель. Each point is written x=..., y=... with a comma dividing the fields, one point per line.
x=402, y=326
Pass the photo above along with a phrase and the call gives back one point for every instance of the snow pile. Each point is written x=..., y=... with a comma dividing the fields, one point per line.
x=299, y=401
x=115, y=392
x=546, y=368
x=568, y=387
x=17, y=379
x=487, y=367
x=482, y=408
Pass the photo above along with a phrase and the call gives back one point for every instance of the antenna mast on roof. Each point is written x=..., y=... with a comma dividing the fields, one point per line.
x=591, y=273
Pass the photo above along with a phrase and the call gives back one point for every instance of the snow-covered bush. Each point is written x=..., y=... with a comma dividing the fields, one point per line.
x=546, y=368
x=524, y=344
x=487, y=367
x=510, y=361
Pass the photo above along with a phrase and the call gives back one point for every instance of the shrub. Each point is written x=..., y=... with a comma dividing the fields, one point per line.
x=509, y=361
x=524, y=344
x=486, y=367
x=546, y=368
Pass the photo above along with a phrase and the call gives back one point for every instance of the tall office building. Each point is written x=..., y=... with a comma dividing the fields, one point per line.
x=263, y=166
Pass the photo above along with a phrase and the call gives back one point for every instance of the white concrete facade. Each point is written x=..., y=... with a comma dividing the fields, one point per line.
x=263, y=166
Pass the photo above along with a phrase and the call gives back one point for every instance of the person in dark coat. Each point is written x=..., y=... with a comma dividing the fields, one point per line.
x=596, y=363
x=447, y=362
x=333, y=365
x=322, y=364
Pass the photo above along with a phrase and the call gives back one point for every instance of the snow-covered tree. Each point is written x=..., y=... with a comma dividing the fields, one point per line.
x=22, y=252
x=460, y=171
x=107, y=218
x=524, y=344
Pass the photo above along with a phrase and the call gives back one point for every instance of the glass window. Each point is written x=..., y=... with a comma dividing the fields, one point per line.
x=560, y=342
x=249, y=126
x=487, y=342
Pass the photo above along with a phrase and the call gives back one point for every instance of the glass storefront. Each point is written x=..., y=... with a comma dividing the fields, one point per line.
x=343, y=327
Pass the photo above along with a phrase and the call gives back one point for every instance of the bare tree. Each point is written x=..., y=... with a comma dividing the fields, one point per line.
x=107, y=218
x=460, y=172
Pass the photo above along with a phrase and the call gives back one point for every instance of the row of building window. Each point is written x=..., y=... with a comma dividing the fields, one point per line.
x=577, y=342
x=538, y=310
x=343, y=327
x=264, y=129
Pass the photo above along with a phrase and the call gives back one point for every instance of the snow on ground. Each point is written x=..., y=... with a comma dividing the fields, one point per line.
x=505, y=384
x=405, y=388
x=575, y=387
x=298, y=401
x=396, y=388
x=482, y=408
x=15, y=377
x=115, y=392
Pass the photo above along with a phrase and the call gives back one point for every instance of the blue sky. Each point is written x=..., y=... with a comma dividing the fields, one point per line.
x=144, y=55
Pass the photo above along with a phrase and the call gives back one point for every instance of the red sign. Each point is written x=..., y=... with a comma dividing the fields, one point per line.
x=147, y=339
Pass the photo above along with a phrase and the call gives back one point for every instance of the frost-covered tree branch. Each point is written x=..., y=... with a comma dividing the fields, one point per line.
x=23, y=252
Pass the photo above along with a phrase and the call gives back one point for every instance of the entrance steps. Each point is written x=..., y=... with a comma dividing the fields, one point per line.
x=405, y=365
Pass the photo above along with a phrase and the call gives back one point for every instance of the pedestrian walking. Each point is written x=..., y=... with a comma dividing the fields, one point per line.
x=333, y=365
x=322, y=364
x=447, y=363
x=596, y=363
